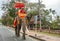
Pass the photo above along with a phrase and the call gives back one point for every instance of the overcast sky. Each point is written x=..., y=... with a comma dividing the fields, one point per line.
x=54, y=4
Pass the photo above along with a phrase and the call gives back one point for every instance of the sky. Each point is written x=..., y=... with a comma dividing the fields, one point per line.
x=54, y=4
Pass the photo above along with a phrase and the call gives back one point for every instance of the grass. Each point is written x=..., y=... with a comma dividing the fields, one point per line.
x=50, y=34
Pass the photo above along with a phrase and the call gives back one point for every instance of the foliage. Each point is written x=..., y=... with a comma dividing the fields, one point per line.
x=46, y=18
x=7, y=18
x=10, y=12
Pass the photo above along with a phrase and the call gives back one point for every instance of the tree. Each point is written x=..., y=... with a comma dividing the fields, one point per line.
x=10, y=11
x=48, y=17
x=34, y=9
x=56, y=23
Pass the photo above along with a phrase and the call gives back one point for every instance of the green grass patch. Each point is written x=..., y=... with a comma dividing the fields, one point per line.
x=50, y=34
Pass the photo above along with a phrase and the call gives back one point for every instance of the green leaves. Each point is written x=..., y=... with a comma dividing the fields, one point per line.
x=34, y=12
x=46, y=12
x=10, y=13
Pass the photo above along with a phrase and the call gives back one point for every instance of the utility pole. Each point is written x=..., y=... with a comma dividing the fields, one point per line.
x=39, y=13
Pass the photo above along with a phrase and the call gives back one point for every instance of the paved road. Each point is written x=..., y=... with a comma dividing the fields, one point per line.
x=8, y=35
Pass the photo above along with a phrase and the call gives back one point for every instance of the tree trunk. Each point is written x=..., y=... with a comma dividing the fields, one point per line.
x=49, y=29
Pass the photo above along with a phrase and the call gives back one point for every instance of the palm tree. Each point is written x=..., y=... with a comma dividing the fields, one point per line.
x=48, y=16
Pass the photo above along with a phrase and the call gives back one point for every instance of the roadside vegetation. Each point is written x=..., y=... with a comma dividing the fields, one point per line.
x=47, y=21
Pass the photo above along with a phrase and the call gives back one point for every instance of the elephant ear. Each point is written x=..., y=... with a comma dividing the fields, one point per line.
x=15, y=23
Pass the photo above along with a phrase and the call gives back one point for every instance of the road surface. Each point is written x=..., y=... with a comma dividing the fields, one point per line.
x=9, y=35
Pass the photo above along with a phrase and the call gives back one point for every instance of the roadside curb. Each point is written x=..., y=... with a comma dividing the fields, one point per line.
x=37, y=38
x=34, y=37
